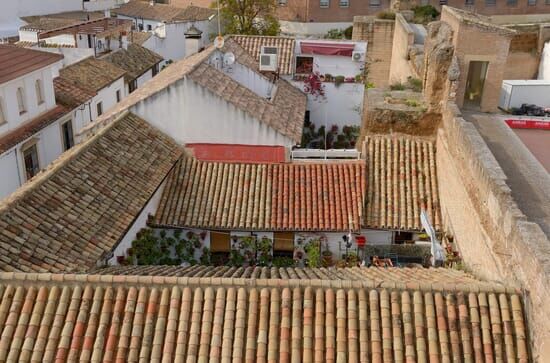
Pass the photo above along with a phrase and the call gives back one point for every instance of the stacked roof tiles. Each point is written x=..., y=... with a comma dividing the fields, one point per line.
x=292, y=196
x=163, y=12
x=69, y=216
x=402, y=181
x=91, y=74
x=285, y=49
x=46, y=317
x=135, y=60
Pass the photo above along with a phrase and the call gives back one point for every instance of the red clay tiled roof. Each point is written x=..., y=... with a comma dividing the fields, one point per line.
x=30, y=128
x=238, y=153
x=163, y=12
x=69, y=216
x=296, y=197
x=16, y=61
x=103, y=318
x=69, y=94
x=285, y=45
x=402, y=180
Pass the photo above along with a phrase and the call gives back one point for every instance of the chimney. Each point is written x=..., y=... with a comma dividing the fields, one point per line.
x=124, y=40
x=107, y=13
x=193, y=41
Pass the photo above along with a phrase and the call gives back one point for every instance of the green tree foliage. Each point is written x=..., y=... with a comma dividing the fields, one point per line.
x=250, y=17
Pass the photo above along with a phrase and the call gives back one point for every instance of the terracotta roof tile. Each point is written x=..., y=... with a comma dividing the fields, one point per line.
x=67, y=217
x=402, y=180
x=285, y=112
x=163, y=12
x=69, y=94
x=135, y=60
x=253, y=44
x=55, y=316
x=29, y=128
x=17, y=61
x=140, y=37
x=263, y=196
x=91, y=73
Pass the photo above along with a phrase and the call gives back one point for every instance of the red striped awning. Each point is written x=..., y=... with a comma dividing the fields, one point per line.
x=343, y=49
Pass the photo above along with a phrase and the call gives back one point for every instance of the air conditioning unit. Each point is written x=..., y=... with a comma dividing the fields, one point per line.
x=358, y=56
x=268, y=59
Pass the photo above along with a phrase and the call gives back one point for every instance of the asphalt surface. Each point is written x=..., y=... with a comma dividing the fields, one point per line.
x=526, y=176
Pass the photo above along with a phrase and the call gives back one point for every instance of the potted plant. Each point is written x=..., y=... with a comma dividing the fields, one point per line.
x=327, y=258
x=328, y=77
x=338, y=80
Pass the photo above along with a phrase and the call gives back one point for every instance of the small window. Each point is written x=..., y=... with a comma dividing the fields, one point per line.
x=118, y=96
x=155, y=69
x=443, y=2
x=149, y=27
x=99, y=107
x=324, y=3
x=30, y=158
x=304, y=65
x=2, y=112
x=132, y=86
x=21, y=100
x=375, y=3
x=469, y=2
x=490, y=2
x=282, y=2
x=512, y=2
x=344, y=3
x=220, y=248
x=140, y=27
x=532, y=2
x=67, y=134
x=39, y=91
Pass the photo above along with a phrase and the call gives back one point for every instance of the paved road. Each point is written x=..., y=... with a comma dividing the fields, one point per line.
x=528, y=179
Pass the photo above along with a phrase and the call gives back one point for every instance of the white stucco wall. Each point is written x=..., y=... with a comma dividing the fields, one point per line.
x=8, y=96
x=139, y=223
x=62, y=39
x=342, y=105
x=107, y=96
x=191, y=114
x=145, y=77
x=10, y=176
x=304, y=29
x=70, y=55
x=28, y=36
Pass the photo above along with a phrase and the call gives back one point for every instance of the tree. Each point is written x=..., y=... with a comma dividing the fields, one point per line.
x=250, y=17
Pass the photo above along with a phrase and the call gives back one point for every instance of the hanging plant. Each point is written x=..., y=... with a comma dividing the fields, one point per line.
x=314, y=86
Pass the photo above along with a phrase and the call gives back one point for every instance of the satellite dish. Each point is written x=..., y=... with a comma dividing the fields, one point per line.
x=218, y=42
x=229, y=58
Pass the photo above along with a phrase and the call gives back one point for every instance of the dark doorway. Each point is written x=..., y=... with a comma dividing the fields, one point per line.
x=477, y=73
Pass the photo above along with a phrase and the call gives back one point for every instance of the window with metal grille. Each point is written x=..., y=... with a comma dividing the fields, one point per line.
x=442, y=2
x=375, y=2
x=324, y=3
x=67, y=134
x=30, y=158
x=490, y=2
x=532, y=2
x=511, y=2
x=344, y=3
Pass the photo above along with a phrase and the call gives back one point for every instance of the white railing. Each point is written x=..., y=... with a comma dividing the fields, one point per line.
x=325, y=154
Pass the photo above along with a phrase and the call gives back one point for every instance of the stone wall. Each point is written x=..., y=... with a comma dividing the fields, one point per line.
x=379, y=35
x=403, y=39
x=494, y=237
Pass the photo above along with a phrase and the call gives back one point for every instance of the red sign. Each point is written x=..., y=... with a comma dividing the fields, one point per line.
x=529, y=124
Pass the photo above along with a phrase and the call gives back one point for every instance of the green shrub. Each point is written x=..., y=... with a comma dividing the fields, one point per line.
x=348, y=32
x=338, y=80
x=334, y=34
x=397, y=87
x=415, y=84
x=386, y=15
x=425, y=14
x=412, y=103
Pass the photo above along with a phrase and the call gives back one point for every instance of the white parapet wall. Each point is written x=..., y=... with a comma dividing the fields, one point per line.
x=310, y=29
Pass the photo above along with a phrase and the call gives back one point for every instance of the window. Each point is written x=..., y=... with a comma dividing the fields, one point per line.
x=531, y=2
x=2, y=112
x=140, y=27
x=132, y=86
x=220, y=247
x=304, y=65
x=375, y=2
x=469, y=2
x=282, y=2
x=118, y=96
x=490, y=2
x=344, y=3
x=324, y=3
x=511, y=2
x=155, y=69
x=283, y=244
x=149, y=27
x=39, y=91
x=442, y=2
x=21, y=100
x=30, y=158
x=67, y=135
x=99, y=107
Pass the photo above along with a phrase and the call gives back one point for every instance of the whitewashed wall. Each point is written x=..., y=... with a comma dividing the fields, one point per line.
x=342, y=105
x=8, y=93
x=145, y=77
x=305, y=29
x=70, y=55
x=107, y=96
x=191, y=114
